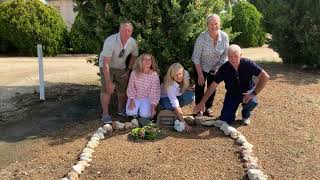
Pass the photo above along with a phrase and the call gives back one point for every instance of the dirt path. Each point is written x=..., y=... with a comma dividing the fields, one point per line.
x=284, y=130
x=20, y=75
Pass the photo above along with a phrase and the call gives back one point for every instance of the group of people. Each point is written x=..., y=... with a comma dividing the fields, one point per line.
x=138, y=86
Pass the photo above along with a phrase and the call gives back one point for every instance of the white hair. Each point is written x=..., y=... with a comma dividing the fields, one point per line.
x=211, y=16
x=234, y=48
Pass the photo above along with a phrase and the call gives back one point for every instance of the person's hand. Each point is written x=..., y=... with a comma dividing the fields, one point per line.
x=188, y=128
x=215, y=72
x=132, y=105
x=247, y=97
x=199, y=107
x=201, y=80
x=192, y=88
x=125, y=76
x=109, y=87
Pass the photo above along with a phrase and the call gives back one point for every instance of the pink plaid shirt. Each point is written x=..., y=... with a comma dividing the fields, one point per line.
x=144, y=85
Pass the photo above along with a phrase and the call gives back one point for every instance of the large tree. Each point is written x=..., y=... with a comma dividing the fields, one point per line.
x=295, y=29
x=166, y=28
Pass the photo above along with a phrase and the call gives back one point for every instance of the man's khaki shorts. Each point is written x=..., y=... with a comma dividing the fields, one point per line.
x=115, y=77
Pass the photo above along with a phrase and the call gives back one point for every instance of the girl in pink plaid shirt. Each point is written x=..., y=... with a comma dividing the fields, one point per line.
x=144, y=87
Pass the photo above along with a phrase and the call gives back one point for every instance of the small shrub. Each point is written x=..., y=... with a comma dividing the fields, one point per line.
x=248, y=21
x=6, y=46
x=296, y=32
x=28, y=23
x=84, y=35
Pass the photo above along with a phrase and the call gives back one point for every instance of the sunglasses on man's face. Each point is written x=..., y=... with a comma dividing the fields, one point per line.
x=121, y=53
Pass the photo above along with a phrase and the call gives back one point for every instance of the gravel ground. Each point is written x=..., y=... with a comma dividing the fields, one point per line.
x=284, y=132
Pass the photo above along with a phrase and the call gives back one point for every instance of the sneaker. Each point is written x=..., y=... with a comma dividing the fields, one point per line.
x=208, y=112
x=106, y=119
x=123, y=114
x=135, y=116
x=246, y=121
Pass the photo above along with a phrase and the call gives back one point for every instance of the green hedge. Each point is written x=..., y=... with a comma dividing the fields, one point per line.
x=6, y=46
x=268, y=9
x=26, y=23
x=85, y=34
x=248, y=21
x=295, y=29
x=166, y=28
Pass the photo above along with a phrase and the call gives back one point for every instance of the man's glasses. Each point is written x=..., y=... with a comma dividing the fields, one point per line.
x=121, y=53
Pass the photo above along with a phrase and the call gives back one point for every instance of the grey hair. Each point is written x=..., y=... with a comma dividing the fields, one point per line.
x=234, y=48
x=210, y=16
x=125, y=22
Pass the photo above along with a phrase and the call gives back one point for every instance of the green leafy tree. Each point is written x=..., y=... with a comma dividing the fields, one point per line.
x=296, y=33
x=268, y=9
x=91, y=26
x=28, y=23
x=248, y=20
x=295, y=29
x=165, y=28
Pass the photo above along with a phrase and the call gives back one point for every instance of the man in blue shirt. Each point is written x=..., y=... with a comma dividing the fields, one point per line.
x=237, y=75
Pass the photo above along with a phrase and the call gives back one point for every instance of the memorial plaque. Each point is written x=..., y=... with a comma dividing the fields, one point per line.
x=166, y=118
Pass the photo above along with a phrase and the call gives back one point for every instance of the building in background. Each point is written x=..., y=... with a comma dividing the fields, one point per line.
x=65, y=7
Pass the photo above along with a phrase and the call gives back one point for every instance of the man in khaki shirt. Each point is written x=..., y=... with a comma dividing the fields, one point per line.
x=112, y=64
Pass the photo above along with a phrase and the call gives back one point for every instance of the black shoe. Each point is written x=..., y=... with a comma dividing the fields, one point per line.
x=123, y=114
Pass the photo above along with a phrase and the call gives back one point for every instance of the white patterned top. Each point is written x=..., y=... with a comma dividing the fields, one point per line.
x=208, y=56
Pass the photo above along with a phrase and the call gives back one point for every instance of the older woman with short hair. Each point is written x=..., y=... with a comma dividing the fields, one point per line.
x=210, y=52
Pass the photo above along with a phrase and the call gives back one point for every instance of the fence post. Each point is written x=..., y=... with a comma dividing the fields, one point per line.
x=41, y=79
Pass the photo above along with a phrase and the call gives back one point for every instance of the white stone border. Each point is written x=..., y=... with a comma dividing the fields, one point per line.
x=86, y=154
x=254, y=171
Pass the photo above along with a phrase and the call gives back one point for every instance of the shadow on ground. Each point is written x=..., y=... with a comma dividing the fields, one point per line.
x=66, y=105
x=291, y=73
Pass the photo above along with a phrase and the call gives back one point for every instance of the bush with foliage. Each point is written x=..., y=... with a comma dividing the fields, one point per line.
x=26, y=23
x=267, y=8
x=165, y=28
x=296, y=32
x=248, y=21
x=295, y=28
x=84, y=35
x=6, y=46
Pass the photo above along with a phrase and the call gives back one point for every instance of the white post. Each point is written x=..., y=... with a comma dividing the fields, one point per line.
x=41, y=80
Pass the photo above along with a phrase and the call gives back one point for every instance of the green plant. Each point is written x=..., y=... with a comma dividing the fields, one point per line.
x=91, y=27
x=26, y=23
x=268, y=8
x=165, y=28
x=248, y=20
x=295, y=29
x=6, y=46
x=148, y=132
x=296, y=32
x=226, y=18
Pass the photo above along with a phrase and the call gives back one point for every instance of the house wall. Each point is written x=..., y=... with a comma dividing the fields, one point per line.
x=65, y=7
